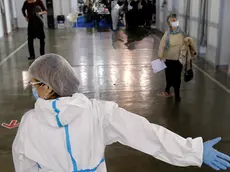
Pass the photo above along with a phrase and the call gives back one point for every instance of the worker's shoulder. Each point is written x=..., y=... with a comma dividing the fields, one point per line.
x=103, y=105
x=27, y=116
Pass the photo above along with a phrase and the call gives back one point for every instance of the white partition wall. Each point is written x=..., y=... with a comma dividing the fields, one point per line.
x=193, y=18
x=74, y=5
x=213, y=31
x=224, y=41
x=20, y=18
x=8, y=16
x=14, y=12
x=7, y=11
x=1, y=26
x=162, y=12
x=180, y=11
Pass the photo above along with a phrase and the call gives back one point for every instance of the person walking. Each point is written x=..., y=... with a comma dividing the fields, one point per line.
x=169, y=51
x=33, y=11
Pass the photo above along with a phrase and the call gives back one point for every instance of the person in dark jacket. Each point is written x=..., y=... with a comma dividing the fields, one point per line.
x=154, y=11
x=132, y=15
x=148, y=13
x=33, y=11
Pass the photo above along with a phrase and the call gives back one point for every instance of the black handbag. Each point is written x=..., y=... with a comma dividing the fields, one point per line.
x=188, y=74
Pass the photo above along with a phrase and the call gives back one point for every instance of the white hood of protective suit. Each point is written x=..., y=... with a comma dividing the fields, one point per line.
x=70, y=135
x=66, y=106
x=60, y=135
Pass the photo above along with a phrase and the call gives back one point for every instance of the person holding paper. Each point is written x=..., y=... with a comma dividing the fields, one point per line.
x=169, y=51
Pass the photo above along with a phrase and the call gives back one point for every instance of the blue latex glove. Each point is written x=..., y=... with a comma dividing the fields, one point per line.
x=214, y=158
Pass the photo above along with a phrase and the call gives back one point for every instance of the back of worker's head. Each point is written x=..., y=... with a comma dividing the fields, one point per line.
x=55, y=72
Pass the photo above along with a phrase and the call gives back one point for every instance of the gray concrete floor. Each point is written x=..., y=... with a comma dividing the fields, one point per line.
x=114, y=70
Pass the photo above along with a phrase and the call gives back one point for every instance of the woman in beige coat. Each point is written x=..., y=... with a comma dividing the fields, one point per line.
x=169, y=51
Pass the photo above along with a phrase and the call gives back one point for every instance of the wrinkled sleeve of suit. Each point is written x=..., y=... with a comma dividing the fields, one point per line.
x=137, y=132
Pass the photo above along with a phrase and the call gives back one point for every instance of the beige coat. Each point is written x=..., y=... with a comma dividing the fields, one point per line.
x=176, y=42
x=188, y=50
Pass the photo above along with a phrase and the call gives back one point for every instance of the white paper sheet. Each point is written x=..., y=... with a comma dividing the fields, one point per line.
x=158, y=65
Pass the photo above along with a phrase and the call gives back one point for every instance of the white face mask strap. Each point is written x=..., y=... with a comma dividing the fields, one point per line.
x=45, y=97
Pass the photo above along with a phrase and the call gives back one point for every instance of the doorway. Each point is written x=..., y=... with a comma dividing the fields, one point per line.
x=3, y=18
x=6, y=8
x=13, y=14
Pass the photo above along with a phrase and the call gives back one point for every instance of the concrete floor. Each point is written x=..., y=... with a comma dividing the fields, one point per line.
x=114, y=70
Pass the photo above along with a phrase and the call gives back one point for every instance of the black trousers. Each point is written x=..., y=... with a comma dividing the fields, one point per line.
x=36, y=30
x=31, y=46
x=173, y=76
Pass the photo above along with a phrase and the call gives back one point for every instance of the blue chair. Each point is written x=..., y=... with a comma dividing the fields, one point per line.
x=103, y=24
x=81, y=22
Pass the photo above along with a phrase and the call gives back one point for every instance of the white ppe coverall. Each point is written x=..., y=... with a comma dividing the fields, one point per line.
x=70, y=135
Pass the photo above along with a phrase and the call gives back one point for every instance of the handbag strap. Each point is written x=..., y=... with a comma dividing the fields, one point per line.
x=186, y=63
x=191, y=64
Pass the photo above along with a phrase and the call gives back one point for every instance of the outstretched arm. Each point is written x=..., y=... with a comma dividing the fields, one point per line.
x=135, y=131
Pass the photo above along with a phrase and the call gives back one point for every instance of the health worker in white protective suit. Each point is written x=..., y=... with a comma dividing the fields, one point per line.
x=67, y=132
x=115, y=13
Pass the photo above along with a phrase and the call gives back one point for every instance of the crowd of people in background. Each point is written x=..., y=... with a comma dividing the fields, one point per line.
x=139, y=13
x=133, y=13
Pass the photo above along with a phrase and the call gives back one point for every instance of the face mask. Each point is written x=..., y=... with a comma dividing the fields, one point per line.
x=35, y=93
x=175, y=24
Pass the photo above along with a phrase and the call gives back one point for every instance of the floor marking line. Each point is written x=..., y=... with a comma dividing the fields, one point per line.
x=95, y=75
x=208, y=75
x=212, y=79
x=11, y=54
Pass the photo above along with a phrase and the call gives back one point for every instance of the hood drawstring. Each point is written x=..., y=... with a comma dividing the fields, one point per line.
x=68, y=143
x=56, y=110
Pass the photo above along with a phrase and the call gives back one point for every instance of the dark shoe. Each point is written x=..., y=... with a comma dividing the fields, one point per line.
x=178, y=99
x=31, y=58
